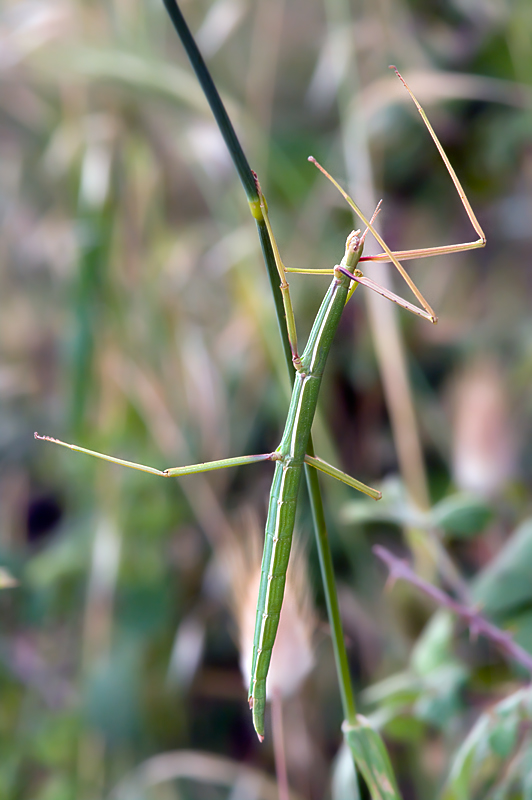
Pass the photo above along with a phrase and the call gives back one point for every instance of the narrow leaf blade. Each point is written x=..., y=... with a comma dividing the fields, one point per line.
x=371, y=758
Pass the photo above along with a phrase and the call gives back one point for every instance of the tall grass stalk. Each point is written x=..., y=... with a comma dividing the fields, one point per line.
x=247, y=179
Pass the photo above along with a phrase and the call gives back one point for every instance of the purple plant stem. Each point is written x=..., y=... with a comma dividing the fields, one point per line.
x=400, y=569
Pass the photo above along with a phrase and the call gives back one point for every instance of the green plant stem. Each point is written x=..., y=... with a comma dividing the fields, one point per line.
x=273, y=276
x=245, y=173
x=329, y=586
x=247, y=179
x=215, y=101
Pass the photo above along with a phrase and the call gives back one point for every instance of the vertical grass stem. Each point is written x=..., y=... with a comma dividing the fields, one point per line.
x=247, y=179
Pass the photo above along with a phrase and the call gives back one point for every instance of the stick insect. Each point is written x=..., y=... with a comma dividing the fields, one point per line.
x=290, y=455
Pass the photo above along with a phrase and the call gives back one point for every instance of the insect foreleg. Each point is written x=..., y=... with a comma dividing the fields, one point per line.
x=172, y=472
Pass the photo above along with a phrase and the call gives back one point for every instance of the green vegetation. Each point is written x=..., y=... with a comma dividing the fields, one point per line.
x=136, y=320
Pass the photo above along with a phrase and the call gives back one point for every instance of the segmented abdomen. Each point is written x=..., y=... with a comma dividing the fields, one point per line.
x=277, y=544
x=285, y=488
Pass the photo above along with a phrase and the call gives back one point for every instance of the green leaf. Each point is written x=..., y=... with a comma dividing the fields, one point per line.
x=403, y=687
x=527, y=772
x=434, y=647
x=488, y=745
x=395, y=507
x=344, y=784
x=463, y=767
x=507, y=581
x=521, y=628
x=503, y=737
x=461, y=515
x=440, y=700
x=403, y=728
x=371, y=758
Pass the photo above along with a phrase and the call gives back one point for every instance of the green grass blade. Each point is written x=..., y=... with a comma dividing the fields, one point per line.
x=329, y=588
x=240, y=161
x=215, y=101
x=371, y=758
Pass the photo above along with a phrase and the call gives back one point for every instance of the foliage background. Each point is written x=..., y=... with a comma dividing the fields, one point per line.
x=135, y=319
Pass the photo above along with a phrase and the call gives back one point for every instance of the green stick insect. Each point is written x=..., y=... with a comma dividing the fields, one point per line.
x=291, y=455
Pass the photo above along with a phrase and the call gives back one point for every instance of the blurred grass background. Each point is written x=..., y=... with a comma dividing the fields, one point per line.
x=135, y=319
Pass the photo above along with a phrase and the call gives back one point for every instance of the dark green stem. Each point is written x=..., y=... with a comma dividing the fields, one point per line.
x=329, y=585
x=240, y=161
x=215, y=101
x=273, y=276
x=247, y=178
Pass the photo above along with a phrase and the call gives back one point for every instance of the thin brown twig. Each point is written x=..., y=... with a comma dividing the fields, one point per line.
x=400, y=569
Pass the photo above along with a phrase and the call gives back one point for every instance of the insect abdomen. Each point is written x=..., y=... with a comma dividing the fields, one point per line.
x=285, y=488
x=278, y=541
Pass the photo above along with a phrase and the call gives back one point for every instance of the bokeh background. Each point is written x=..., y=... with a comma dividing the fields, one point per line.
x=135, y=319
